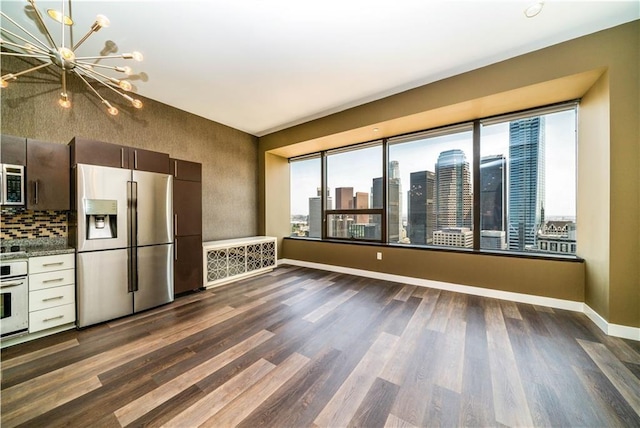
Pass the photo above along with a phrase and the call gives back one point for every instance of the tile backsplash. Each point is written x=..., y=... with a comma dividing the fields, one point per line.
x=18, y=223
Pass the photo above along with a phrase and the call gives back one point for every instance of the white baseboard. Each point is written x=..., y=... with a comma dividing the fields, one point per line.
x=570, y=305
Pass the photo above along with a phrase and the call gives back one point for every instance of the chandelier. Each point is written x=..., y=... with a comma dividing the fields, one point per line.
x=64, y=58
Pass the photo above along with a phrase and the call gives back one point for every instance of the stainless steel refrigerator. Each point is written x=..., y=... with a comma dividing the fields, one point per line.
x=124, y=242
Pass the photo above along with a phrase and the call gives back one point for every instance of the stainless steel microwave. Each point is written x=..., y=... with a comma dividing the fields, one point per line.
x=12, y=185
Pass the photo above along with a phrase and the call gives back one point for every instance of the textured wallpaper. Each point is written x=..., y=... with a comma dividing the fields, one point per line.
x=229, y=157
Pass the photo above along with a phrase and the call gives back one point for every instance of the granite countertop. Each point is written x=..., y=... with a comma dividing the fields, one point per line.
x=35, y=247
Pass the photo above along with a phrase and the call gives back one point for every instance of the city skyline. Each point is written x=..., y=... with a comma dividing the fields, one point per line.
x=559, y=161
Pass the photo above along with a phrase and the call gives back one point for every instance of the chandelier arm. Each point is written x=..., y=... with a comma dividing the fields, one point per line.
x=27, y=32
x=91, y=71
x=14, y=75
x=110, y=85
x=77, y=73
x=39, y=56
x=121, y=56
x=44, y=26
x=6, y=42
x=84, y=64
x=82, y=40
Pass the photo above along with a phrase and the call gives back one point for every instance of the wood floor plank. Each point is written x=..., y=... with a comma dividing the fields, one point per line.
x=406, y=292
x=619, y=375
x=376, y=404
x=345, y=402
x=41, y=353
x=146, y=403
x=330, y=305
x=234, y=412
x=395, y=422
x=203, y=409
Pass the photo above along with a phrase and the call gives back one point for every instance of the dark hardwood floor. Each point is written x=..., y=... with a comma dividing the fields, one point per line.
x=300, y=347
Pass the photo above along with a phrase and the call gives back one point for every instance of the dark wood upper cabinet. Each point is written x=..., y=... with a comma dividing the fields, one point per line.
x=147, y=160
x=13, y=150
x=47, y=176
x=185, y=170
x=94, y=152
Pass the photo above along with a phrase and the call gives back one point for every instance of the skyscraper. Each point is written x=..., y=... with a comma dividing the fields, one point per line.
x=394, y=214
x=453, y=190
x=344, y=198
x=493, y=195
x=315, y=214
x=526, y=182
x=422, y=214
x=361, y=202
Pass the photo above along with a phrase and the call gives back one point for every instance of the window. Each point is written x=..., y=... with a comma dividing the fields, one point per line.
x=505, y=183
x=528, y=182
x=306, y=210
x=354, y=186
x=436, y=170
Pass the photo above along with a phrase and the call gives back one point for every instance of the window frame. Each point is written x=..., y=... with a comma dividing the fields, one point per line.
x=476, y=127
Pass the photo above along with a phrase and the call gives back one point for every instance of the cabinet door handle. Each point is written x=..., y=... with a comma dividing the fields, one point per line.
x=122, y=157
x=10, y=284
x=54, y=318
x=175, y=224
x=35, y=192
x=52, y=264
x=52, y=280
x=175, y=168
x=53, y=298
x=135, y=159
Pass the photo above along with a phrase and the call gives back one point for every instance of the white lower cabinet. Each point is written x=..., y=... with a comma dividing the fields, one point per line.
x=232, y=259
x=52, y=300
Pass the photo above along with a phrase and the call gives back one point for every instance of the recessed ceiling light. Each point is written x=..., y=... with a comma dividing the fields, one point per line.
x=534, y=9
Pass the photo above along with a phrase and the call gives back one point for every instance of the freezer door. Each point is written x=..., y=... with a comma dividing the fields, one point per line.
x=154, y=223
x=155, y=277
x=98, y=186
x=102, y=286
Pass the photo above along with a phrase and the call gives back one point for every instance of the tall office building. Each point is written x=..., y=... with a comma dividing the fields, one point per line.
x=453, y=190
x=526, y=182
x=422, y=212
x=361, y=202
x=315, y=214
x=344, y=198
x=394, y=212
x=493, y=197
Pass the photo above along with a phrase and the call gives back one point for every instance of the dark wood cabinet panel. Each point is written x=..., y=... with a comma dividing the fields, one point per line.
x=188, y=264
x=47, y=176
x=187, y=207
x=93, y=152
x=147, y=160
x=185, y=170
x=13, y=150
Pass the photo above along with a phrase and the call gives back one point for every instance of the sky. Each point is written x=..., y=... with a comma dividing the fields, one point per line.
x=357, y=169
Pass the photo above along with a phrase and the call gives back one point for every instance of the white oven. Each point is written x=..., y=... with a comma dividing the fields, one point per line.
x=14, y=295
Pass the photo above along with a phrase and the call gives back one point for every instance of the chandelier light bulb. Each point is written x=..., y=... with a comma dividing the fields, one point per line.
x=67, y=54
x=137, y=56
x=124, y=85
x=128, y=71
x=136, y=103
x=3, y=83
x=102, y=22
x=64, y=101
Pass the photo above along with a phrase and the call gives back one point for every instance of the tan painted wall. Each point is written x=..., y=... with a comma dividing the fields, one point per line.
x=593, y=188
x=229, y=157
x=609, y=244
x=558, y=279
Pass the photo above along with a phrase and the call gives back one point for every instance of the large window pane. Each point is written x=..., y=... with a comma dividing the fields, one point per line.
x=306, y=214
x=528, y=184
x=436, y=170
x=354, y=180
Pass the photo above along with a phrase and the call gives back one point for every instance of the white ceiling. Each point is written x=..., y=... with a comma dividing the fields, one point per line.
x=263, y=65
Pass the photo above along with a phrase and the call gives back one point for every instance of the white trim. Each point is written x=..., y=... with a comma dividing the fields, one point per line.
x=616, y=330
x=4, y=343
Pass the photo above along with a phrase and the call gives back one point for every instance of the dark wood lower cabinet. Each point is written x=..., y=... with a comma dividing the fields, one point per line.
x=187, y=272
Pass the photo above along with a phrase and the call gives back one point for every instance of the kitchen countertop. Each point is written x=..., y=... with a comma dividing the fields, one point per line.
x=35, y=248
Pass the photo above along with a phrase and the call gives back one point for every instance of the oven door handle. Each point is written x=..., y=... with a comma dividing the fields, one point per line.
x=11, y=284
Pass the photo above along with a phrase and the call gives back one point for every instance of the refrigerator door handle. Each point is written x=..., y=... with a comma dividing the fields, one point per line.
x=134, y=234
